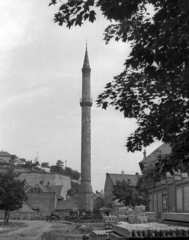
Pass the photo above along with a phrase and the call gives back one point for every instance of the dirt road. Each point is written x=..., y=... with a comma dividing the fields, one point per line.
x=33, y=231
x=42, y=230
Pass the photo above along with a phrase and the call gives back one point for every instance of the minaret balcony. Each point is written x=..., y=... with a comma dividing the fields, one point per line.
x=86, y=102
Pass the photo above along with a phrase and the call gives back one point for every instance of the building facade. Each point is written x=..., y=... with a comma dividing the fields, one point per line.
x=111, y=180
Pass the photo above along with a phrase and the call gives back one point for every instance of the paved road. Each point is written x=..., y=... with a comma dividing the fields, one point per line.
x=34, y=231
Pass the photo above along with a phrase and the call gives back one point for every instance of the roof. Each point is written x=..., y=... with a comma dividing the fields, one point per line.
x=120, y=177
x=38, y=185
x=98, y=194
x=163, y=149
x=55, y=188
x=105, y=209
x=117, y=203
x=86, y=60
x=4, y=154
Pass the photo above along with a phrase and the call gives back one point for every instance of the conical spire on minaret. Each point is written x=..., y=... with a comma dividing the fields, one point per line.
x=86, y=59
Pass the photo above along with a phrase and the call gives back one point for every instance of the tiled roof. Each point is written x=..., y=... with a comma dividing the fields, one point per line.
x=163, y=149
x=98, y=194
x=38, y=185
x=55, y=188
x=5, y=154
x=120, y=177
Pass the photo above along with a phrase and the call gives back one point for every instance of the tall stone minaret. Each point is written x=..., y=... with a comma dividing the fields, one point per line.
x=85, y=194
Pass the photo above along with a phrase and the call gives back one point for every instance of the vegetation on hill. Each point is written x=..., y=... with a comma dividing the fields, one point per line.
x=12, y=193
x=58, y=168
x=153, y=87
x=36, y=166
x=74, y=191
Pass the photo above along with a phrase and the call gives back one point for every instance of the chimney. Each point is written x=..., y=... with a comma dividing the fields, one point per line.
x=41, y=182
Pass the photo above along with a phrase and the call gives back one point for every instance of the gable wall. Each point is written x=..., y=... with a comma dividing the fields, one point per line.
x=46, y=202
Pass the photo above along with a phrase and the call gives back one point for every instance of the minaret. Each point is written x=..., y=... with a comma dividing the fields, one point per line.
x=85, y=193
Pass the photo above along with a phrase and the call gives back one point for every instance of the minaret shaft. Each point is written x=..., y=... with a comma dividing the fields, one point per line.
x=86, y=144
x=86, y=202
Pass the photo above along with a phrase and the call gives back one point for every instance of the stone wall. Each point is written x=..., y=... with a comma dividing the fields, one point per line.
x=24, y=215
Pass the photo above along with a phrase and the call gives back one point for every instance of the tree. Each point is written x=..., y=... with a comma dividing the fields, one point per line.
x=36, y=164
x=14, y=159
x=12, y=193
x=72, y=173
x=45, y=165
x=60, y=164
x=75, y=186
x=28, y=164
x=71, y=192
x=56, y=169
x=128, y=194
x=153, y=87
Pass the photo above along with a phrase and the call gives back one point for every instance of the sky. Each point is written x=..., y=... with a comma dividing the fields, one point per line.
x=40, y=79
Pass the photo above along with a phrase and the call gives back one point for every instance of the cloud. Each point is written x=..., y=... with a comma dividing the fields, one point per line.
x=29, y=95
x=16, y=26
x=15, y=20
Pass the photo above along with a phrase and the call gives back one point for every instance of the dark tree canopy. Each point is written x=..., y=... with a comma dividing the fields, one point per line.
x=153, y=87
x=130, y=195
x=12, y=193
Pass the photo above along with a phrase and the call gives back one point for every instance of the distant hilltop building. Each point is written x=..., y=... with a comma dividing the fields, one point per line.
x=5, y=157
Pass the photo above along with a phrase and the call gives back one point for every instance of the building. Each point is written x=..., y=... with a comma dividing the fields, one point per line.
x=41, y=200
x=46, y=192
x=152, y=157
x=5, y=157
x=46, y=179
x=85, y=192
x=110, y=182
x=47, y=199
x=169, y=198
x=98, y=200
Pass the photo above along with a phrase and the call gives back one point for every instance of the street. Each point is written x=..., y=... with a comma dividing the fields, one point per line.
x=42, y=230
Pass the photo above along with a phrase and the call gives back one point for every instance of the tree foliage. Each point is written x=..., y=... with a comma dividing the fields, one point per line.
x=128, y=194
x=59, y=169
x=12, y=193
x=45, y=165
x=153, y=87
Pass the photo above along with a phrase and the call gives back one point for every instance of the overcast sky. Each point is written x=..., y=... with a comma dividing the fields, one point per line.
x=41, y=86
